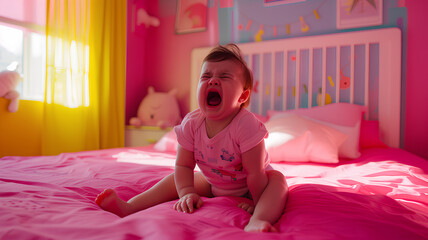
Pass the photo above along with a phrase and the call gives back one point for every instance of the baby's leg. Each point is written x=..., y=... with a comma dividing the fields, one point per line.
x=109, y=201
x=271, y=204
x=161, y=192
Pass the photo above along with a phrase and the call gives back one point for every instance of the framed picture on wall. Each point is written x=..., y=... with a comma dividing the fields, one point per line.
x=269, y=3
x=358, y=13
x=191, y=16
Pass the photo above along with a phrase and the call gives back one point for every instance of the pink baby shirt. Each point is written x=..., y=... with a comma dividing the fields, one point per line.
x=220, y=158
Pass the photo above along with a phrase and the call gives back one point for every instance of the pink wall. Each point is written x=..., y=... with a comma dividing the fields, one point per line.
x=161, y=58
x=416, y=124
x=136, y=50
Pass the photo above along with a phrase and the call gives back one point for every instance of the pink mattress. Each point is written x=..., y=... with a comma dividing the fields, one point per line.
x=381, y=195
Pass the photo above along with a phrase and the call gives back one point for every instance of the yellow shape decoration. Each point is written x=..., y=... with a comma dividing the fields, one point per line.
x=316, y=14
x=327, y=99
x=304, y=25
x=331, y=81
x=258, y=36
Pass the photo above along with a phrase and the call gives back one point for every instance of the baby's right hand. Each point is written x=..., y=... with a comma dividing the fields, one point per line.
x=188, y=202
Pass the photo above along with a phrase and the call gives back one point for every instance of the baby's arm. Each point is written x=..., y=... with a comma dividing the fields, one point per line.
x=184, y=182
x=253, y=162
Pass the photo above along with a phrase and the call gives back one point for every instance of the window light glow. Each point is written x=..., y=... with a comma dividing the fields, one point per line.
x=13, y=66
x=11, y=39
x=86, y=85
x=71, y=66
x=277, y=138
x=72, y=88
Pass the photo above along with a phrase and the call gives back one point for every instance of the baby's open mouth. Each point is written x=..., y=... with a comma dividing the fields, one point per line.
x=213, y=98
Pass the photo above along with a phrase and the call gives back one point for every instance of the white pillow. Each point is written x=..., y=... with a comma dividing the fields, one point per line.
x=293, y=138
x=351, y=147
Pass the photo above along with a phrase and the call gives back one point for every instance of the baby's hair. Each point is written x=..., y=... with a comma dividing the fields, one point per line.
x=232, y=52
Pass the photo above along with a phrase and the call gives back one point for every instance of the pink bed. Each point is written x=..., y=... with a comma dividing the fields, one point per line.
x=344, y=182
x=380, y=195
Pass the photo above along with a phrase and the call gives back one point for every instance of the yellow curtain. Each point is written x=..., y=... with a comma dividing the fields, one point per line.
x=85, y=75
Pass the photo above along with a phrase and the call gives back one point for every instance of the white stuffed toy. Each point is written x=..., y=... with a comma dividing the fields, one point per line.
x=9, y=80
x=158, y=109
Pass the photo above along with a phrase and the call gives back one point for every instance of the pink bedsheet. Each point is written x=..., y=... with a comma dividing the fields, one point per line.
x=381, y=195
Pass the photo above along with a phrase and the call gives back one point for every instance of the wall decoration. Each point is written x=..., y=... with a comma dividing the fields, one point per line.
x=259, y=34
x=259, y=30
x=358, y=13
x=303, y=24
x=144, y=18
x=345, y=81
x=191, y=16
x=141, y=19
x=319, y=98
x=278, y=2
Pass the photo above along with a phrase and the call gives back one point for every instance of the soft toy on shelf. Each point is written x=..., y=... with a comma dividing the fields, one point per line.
x=158, y=109
x=8, y=82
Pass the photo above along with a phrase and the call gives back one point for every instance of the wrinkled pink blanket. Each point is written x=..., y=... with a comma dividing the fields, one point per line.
x=381, y=195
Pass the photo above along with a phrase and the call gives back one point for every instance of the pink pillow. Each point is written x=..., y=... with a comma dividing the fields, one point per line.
x=293, y=138
x=370, y=137
x=168, y=143
x=344, y=117
x=345, y=114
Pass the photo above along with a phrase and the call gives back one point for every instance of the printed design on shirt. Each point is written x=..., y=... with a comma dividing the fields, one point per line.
x=212, y=160
x=238, y=167
x=199, y=156
x=210, y=147
x=223, y=173
x=226, y=156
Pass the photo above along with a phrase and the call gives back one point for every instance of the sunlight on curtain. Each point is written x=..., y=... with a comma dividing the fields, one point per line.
x=85, y=75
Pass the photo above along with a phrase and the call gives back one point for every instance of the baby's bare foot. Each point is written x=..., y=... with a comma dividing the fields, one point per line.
x=247, y=207
x=256, y=225
x=109, y=201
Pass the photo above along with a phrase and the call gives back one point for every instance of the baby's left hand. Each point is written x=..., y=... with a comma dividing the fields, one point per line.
x=188, y=202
